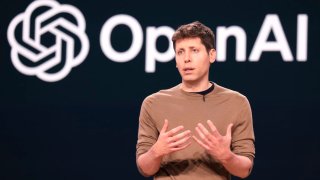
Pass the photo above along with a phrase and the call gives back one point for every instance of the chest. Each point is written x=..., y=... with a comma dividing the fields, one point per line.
x=191, y=112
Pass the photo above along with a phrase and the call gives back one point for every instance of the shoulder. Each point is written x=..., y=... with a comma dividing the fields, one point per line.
x=230, y=94
x=161, y=95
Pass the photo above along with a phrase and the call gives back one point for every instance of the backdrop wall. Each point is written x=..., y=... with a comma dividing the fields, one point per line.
x=74, y=73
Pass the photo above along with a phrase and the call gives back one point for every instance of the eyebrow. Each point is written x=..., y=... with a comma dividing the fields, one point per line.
x=190, y=47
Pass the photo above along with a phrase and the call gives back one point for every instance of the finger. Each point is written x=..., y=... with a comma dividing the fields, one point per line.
x=213, y=129
x=180, y=142
x=180, y=136
x=200, y=142
x=165, y=126
x=204, y=138
x=181, y=147
x=203, y=129
x=229, y=130
x=200, y=133
x=174, y=130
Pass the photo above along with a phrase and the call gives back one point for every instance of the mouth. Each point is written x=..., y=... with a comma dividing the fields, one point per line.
x=188, y=69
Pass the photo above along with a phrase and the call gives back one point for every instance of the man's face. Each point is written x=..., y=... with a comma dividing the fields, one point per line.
x=193, y=60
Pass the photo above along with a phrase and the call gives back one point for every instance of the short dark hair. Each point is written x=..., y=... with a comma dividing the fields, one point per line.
x=195, y=29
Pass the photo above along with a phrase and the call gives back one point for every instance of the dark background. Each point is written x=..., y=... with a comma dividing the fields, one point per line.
x=85, y=125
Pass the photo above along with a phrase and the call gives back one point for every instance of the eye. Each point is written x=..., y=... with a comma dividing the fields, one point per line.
x=195, y=50
x=180, y=52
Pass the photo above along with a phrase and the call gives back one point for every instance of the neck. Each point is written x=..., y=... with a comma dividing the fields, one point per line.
x=195, y=86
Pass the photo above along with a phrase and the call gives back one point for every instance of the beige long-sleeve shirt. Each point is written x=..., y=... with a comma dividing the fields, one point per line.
x=222, y=106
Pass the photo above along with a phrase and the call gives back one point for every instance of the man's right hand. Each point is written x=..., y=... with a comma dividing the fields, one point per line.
x=168, y=142
x=171, y=141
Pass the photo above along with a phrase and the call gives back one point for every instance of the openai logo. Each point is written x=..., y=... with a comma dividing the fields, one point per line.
x=48, y=40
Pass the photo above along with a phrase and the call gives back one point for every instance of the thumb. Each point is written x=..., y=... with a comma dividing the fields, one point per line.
x=229, y=130
x=165, y=126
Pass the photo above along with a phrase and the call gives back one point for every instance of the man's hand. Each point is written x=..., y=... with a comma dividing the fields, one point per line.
x=217, y=146
x=171, y=141
x=168, y=142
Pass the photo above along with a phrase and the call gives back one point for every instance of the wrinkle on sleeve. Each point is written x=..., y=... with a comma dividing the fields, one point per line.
x=243, y=133
x=147, y=131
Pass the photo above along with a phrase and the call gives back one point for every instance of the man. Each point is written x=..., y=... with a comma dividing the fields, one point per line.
x=197, y=129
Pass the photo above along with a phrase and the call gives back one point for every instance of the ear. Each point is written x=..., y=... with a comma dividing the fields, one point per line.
x=212, y=55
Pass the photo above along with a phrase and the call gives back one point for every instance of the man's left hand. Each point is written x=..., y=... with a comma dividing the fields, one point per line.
x=217, y=146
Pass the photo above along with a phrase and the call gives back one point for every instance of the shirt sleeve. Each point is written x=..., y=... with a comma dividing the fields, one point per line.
x=147, y=131
x=243, y=134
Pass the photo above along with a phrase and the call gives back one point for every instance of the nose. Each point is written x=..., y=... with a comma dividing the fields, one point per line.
x=187, y=58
